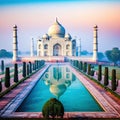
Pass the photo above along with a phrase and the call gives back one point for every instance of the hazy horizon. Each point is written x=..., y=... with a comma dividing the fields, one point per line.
x=78, y=17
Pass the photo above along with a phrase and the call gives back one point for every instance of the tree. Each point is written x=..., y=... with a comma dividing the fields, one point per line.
x=89, y=69
x=0, y=86
x=100, y=55
x=113, y=55
x=114, y=85
x=28, y=70
x=7, y=77
x=2, y=66
x=30, y=67
x=81, y=65
x=24, y=69
x=84, y=52
x=99, y=72
x=15, y=72
x=53, y=107
x=4, y=53
x=77, y=63
x=106, y=82
x=92, y=70
x=85, y=67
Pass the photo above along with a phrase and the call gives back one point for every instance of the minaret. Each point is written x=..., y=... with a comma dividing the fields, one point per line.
x=15, y=44
x=95, y=43
x=32, y=47
x=79, y=48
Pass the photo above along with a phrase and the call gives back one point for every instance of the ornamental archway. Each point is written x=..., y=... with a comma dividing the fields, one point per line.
x=57, y=50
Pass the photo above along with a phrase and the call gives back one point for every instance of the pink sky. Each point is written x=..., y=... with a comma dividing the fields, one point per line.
x=33, y=20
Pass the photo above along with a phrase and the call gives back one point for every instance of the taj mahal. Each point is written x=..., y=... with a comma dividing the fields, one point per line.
x=55, y=45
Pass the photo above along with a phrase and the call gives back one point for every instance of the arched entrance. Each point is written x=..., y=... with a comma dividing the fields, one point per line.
x=57, y=50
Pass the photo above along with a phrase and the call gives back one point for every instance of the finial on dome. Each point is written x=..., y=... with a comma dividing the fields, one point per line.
x=56, y=20
x=95, y=26
x=15, y=26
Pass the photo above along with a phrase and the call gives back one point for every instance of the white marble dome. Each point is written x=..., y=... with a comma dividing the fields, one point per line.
x=56, y=30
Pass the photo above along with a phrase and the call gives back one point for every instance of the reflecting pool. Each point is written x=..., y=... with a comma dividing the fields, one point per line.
x=59, y=82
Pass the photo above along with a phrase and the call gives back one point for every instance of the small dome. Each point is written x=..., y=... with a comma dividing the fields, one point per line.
x=56, y=30
x=45, y=36
x=68, y=36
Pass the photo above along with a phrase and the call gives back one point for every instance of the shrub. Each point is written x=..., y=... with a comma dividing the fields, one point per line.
x=89, y=69
x=53, y=107
x=30, y=64
x=77, y=63
x=81, y=65
x=2, y=66
x=24, y=69
x=99, y=72
x=106, y=82
x=85, y=67
x=0, y=86
x=15, y=72
x=35, y=66
x=28, y=70
x=92, y=70
x=92, y=73
x=7, y=77
x=114, y=85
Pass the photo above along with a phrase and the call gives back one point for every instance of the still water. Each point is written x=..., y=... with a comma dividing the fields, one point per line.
x=59, y=82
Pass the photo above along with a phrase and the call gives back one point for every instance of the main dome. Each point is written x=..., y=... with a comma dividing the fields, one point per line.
x=56, y=30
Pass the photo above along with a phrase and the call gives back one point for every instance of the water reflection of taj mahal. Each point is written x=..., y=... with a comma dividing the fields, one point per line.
x=58, y=78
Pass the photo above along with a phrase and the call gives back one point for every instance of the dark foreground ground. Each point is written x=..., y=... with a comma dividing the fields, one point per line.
x=60, y=119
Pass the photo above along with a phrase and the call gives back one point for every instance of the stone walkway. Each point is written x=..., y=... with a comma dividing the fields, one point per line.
x=111, y=107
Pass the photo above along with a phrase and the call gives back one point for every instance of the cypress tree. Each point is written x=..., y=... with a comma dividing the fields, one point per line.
x=0, y=86
x=33, y=66
x=77, y=63
x=37, y=64
x=28, y=71
x=2, y=66
x=106, y=81
x=15, y=72
x=114, y=86
x=7, y=77
x=92, y=70
x=24, y=69
x=89, y=69
x=85, y=67
x=30, y=64
x=81, y=65
x=100, y=72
